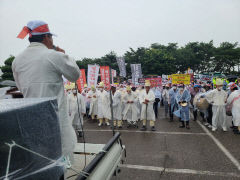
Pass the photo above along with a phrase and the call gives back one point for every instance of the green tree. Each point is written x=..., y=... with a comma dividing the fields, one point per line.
x=7, y=69
x=227, y=56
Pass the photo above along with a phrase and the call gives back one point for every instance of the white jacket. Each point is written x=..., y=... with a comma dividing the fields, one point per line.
x=38, y=73
x=165, y=95
x=150, y=112
x=74, y=104
x=131, y=110
x=102, y=104
x=93, y=102
x=216, y=97
x=235, y=107
x=117, y=106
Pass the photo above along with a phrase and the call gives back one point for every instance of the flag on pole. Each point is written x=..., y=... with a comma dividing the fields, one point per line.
x=92, y=75
x=122, y=66
x=136, y=72
x=82, y=80
x=105, y=76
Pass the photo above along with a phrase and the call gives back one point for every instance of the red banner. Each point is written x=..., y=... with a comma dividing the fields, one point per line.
x=82, y=80
x=155, y=82
x=105, y=76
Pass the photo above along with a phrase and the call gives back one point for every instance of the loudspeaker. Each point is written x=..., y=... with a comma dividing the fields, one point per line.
x=32, y=123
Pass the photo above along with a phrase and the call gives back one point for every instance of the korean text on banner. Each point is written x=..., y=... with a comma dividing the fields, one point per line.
x=122, y=66
x=92, y=75
x=82, y=80
x=114, y=74
x=102, y=73
x=105, y=76
x=180, y=78
x=155, y=82
x=136, y=72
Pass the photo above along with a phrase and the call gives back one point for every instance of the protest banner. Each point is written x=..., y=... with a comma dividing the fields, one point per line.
x=82, y=80
x=180, y=78
x=105, y=76
x=114, y=74
x=92, y=75
x=155, y=82
x=136, y=72
x=122, y=66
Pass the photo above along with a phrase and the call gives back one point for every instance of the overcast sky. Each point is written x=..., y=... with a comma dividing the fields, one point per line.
x=93, y=28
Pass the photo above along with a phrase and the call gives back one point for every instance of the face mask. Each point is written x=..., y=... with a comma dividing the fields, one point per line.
x=75, y=91
x=174, y=87
x=181, y=88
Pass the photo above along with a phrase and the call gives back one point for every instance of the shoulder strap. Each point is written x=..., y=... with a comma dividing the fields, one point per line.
x=236, y=98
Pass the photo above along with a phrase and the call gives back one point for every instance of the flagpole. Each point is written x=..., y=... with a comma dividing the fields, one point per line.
x=111, y=103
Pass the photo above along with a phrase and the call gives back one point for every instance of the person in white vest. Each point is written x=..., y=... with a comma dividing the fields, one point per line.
x=77, y=110
x=92, y=95
x=117, y=107
x=218, y=99
x=131, y=110
x=102, y=101
x=38, y=73
x=147, y=99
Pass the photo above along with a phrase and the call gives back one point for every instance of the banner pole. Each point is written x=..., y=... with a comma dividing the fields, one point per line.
x=111, y=103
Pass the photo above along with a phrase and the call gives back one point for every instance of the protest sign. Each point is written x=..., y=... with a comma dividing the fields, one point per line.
x=92, y=75
x=82, y=80
x=180, y=78
x=122, y=66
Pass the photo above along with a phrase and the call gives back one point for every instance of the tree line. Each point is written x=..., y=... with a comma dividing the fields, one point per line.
x=161, y=59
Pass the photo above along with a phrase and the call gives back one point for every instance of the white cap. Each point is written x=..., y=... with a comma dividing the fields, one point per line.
x=35, y=27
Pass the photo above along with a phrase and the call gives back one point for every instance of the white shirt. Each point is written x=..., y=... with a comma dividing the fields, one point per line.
x=38, y=73
x=217, y=97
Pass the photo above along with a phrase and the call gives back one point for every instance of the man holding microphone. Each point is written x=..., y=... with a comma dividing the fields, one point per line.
x=38, y=72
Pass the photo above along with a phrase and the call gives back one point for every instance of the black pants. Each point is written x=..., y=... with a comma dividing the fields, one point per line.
x=172, y=110
x=87, y=112
x=183, y=123
x=210, y=114
x=195, y=115
x=155, y=106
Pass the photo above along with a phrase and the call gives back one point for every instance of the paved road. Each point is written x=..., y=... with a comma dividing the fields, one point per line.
x=174, y=153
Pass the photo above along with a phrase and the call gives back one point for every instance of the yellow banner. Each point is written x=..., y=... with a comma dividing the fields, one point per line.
x=181, y=79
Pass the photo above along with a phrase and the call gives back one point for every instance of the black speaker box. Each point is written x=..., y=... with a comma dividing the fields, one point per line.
x=33, y=124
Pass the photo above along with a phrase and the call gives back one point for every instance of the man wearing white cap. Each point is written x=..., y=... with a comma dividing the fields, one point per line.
x=147, y=99
x=218, y=99
x=38, y=73
x=102, y=100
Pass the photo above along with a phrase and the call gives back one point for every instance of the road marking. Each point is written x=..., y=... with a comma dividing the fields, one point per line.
x=180, y=171
x=220, y=145
x=150, y=132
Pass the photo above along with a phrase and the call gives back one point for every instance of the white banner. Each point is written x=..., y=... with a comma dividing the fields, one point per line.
x=136, y=72
x=114, y=73
x=164, y=77
x=92, y=75
x=122, y=66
